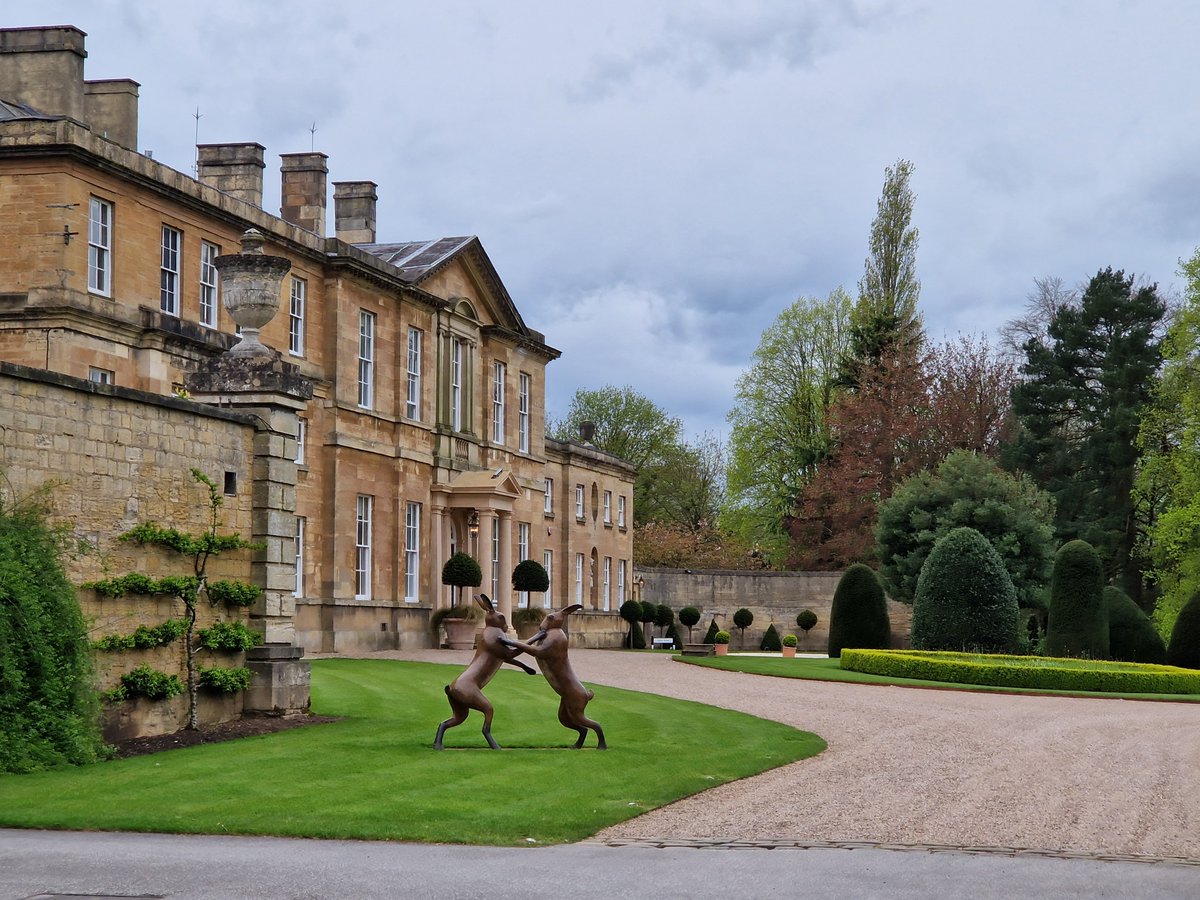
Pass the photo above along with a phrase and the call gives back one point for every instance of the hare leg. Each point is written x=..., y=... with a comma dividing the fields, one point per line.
x=460, y=713
x=486, y=709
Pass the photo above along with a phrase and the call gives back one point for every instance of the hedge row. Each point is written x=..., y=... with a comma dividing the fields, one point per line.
x=1024, y=671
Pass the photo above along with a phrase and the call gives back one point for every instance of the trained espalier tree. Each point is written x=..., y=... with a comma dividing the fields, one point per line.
x=858, y=617
x=965, y=600
x=199, y=549
x=1077, y=624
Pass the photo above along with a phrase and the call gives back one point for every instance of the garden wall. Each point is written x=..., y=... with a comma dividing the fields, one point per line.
x=773, y=597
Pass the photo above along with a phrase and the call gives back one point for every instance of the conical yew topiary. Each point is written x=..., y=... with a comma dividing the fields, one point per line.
x=1184, y=649
x=771, y=639
x=1077, y=624
x=710, y=636
x=1132, y=637
x=859, y=616
x=965, y=599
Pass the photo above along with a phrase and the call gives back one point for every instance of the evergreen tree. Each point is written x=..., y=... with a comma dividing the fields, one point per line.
x=858, y=617
x=1077, y=624
x=1184, y=649
x=1085, y=390
x=1131, y=635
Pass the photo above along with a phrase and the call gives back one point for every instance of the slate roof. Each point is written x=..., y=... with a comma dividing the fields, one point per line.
x=12, y=110
x=415, y=259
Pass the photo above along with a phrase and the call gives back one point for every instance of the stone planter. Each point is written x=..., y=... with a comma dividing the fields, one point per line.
x=722, y=649
x=460, y=633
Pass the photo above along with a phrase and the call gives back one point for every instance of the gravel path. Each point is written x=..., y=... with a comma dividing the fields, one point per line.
x=910, y=766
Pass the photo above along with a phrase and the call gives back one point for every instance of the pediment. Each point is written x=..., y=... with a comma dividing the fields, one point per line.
x=481, y=484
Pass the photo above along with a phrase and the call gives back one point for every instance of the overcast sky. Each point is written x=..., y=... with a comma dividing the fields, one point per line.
x=655, y=181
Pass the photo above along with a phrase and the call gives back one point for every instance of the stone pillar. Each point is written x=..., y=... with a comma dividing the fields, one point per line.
x=302, y=200
x=234, y=169
x=439, y=556
x=111, y=107
x=354, y=211
x=506, y=565
x=280, y=680
x=483, y=553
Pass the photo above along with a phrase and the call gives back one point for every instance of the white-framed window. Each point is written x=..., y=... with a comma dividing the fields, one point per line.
x=296, y=316
x=362, y=546
x=101, y=376
x=301, y=439
x=412, y=551
x=523, y=414
x=621, y=567
x=366, y=359
x=621, y=511
x=456, y=384
x=522, y=555
x=495, y=556
x=549, y=502
x=100, y=215
x=607, y=582
x=412, y=407
x=298, y=591
x=548, y=565
x=499, y=374
x=209, y=290
x=168, y=294
x=608, y=507
x=579, y=501
x=578, y=577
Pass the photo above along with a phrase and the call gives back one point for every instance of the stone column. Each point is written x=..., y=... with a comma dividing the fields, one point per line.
x=505, y=582
x=487, y=522
x=439, y=556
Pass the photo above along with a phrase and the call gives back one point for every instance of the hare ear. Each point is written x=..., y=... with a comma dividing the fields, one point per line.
x=485, y=602
x=574, y=607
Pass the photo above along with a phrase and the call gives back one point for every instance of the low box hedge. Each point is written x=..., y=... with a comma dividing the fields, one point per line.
x=1044, y=673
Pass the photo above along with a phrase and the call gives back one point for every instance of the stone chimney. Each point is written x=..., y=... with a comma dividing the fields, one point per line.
x=111, y=108
x=302, y=200
x=43, y=68
x=354, y=211
x=234, y=169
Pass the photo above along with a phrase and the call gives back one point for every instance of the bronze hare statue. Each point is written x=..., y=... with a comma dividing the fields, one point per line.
x=492, y=650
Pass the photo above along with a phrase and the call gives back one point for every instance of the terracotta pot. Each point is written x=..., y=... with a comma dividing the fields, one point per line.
x=789, y=652
x=721, y=649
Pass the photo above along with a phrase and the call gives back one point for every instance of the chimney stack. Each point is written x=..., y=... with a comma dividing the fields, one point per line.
x=111, y=108
x=303, y=196
x=43, y=68
x=354, y=211
x=235, y=169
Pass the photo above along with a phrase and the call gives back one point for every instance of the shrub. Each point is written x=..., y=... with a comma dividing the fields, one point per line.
x=770, y=640
x=1077, y=624
x=225, y=681
x=460, y=571
x=790, y=640
x=649, y=611
x=673, y=634
x=806, y=619
x=1132, y=637
x=49, y=714
x=743, y=619
x=859, y=616
x=664, y=616
x=530, y=575
x=1184, y=649
x=689, y=616
x=528, y=615
x=631, y=612
x=637, y=637
x=710, y=636
x=721, y=637
x=965, y=599
x=452, y=612
x=228, y=636
x=151, y=683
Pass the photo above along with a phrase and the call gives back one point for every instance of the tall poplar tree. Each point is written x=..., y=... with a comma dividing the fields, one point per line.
x=1079, y=406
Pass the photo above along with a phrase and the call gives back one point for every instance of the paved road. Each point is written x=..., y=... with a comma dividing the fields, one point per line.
x=36, y=864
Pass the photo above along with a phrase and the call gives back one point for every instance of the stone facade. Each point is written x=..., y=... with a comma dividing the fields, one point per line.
x=424, y=431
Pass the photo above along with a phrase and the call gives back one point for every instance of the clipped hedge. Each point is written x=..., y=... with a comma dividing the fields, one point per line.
x=1132, y=637
x=858, y=616
x=1184, y=649
x=1077, y=624
x=1043, y=673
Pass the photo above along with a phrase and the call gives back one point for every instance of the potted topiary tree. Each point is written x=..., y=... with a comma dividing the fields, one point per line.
x=631, y=612
x=806, y=619
x=743, y=619
x=529, y=576
x=721, y=642
x=770, y=641
x=689, y=616
x=460, y=571
x=789, y=645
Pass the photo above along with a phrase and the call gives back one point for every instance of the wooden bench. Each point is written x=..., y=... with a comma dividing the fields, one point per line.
x=699, y=650
x=662, y=643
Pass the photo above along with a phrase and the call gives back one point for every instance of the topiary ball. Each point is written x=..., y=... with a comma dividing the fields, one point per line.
x=858, y=617
x=1132, y=637
x=689, y=616
x=1184, y=649
x=530, y=575
x=965, y=599
x=806, y=619
x=1077, y=624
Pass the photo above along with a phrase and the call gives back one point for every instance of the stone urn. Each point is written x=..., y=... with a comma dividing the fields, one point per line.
x=460, y=633
x=250, y=283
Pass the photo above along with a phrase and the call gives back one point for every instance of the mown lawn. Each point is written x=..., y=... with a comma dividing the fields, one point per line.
x=375, y=776
x=831, y=670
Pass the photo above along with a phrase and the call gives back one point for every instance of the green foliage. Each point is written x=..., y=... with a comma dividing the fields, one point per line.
x=184, y=586
x=1025, y=671
x=229, y=636
x=631, y=611
x=1085, y=390
x=461, y=570
x=721, y=637
x=710, y=636
x=806, y=619
x=452, y=612
x=182, y=542
x=144, y=637
x=529, y=615
x=779, y=421
x=1077, y=624
x=530, y=575
x=790, y=640
x=233, y=593
x=673, y=634
x=1184, y=649
x=770, y=639
x=150, y=683
x=689, y=616
x=965, y=599
x=663, y=615
x=1132, y=637
x=967, y=490
x=743, y=618
x=858, y=616
x=225, y=681
x=649, y=612
x=637, y=637
x=49, y=714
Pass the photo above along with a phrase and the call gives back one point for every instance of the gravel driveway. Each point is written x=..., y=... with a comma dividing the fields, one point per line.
x=911, y=766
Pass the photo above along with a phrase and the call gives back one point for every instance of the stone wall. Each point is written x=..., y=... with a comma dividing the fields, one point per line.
x=773, y=597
